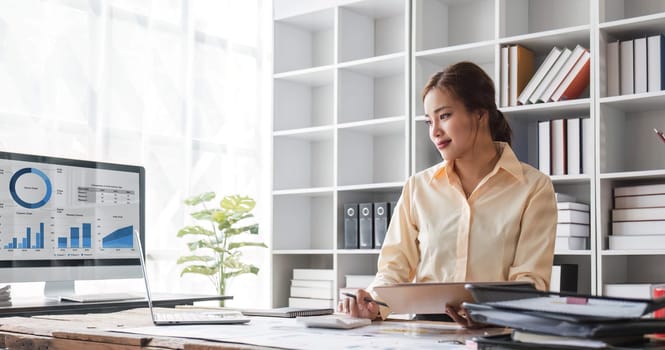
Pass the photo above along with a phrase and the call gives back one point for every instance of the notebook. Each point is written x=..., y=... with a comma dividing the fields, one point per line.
x=287, y=312
x=189, y=317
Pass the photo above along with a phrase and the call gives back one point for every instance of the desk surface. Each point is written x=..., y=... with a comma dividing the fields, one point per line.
x=43, y=306
x=93, y=331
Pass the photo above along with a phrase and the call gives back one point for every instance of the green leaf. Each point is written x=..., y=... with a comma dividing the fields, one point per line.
x=204, y=214
x=200, y=198
x=219, y=216
x=237, y=203
x=235, y=245
x=198, y=269
x=190, y=258
x=194, y=230
x=245, y=269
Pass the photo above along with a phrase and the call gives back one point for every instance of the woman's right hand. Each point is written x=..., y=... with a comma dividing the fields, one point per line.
x=358, y=306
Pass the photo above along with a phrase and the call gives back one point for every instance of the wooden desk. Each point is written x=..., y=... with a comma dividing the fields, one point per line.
x=91, y=332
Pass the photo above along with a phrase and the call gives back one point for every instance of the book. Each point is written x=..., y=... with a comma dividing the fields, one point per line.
x=564, y=278
x=612, y=66
x=640, y=64
x=314, y=274
x=544, y=161
x=646, y=242
x=655, y=54
x=574, y=56
x=574, y=230
x=312, y=283
x=587, y=146
x=626, y=77
x=563, y=197
x=631, y=290
x=521, y=70
x=547, y=79
x=359, y=281
x=539, y=75
x=311, y=303
x=311, y=292
x=566, y=216
x=288, y=312
x=639, y=190
x=576, y=81
x=572, y=206
x=638, y=214
x=574, y=146
x=570, y=243
x=558, y=144
x=640, y=228
x=644, y=201
x=505, y=67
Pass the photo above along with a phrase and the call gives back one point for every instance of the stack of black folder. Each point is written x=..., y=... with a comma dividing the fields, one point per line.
x=564, y=320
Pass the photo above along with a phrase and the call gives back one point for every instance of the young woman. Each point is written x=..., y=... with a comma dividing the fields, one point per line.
x=480, y=215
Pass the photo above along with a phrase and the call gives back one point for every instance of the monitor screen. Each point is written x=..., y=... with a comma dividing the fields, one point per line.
x=63, y=220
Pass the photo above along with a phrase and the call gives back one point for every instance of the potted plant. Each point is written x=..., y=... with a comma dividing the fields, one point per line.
x=215, y=250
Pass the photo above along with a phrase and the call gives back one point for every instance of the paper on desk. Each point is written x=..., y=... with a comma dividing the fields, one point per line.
x=277, y=332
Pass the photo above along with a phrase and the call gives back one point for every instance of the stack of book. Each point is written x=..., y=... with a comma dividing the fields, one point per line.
x=635, y=66
x=638, y=217
x=572, y=228
x=565, y=146
x=563, y=75
x=5, y=296
x=562, y=320
x=312, y=288
x=355, y=282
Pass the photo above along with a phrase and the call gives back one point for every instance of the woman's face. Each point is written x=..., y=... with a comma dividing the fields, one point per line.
x=452, y=128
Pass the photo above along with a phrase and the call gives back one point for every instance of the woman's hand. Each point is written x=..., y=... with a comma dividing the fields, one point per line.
x=359, y=306
x=460, y=316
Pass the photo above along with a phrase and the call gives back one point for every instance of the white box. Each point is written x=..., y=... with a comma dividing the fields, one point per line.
x=570, y=243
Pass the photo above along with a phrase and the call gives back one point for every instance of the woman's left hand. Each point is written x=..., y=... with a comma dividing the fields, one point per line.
x=460, y=316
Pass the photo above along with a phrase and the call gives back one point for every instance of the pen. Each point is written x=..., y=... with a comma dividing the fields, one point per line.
x=367, y=299
x=660, y=134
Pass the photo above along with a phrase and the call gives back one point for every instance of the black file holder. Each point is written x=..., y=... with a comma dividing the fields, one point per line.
x=366, y=225
x=351, y=226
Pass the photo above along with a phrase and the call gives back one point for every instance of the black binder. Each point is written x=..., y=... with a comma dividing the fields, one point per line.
x=381, y=212
x=366, y=225
x=351, y=226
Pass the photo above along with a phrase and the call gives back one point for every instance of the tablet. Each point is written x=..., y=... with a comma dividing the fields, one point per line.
x=430, y=298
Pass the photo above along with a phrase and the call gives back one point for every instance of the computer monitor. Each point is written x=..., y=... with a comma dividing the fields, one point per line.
x=63, y=220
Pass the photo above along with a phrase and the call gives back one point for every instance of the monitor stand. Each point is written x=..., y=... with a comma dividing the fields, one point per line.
x=55, y=289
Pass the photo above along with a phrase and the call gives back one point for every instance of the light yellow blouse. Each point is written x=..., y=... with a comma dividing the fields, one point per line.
x=504, y=231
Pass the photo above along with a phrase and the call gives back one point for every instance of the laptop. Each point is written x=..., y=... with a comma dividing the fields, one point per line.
x=190, y=317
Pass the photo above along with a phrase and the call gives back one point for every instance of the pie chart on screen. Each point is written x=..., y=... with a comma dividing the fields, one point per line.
x=30, y=188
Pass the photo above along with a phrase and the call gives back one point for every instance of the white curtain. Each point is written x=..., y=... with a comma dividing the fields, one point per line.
x=180, y=87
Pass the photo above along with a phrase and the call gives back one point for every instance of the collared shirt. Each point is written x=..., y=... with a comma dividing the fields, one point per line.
x=504, y=231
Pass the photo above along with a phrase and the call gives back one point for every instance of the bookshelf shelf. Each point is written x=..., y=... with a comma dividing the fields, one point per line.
x=348, y=117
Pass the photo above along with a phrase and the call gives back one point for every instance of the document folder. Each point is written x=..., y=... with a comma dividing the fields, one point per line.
x=539, y=322
x=577, y=306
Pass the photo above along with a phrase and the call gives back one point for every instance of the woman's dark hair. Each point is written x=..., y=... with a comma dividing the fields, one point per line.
x=475, y=89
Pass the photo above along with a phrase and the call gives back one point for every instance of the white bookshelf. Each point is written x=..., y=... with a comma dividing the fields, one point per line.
x=348, y=117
